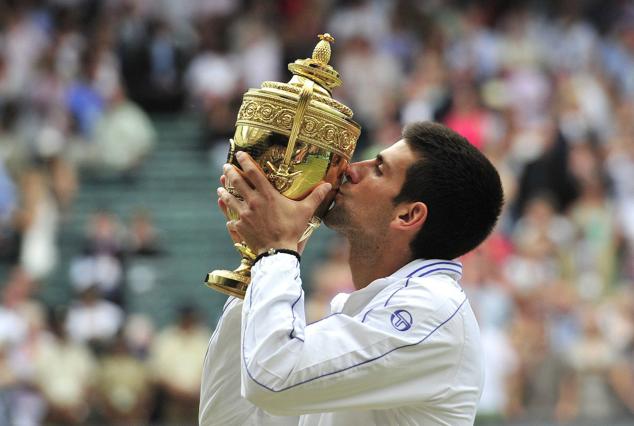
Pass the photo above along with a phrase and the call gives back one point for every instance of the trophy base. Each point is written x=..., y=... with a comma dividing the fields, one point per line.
x=228, y=282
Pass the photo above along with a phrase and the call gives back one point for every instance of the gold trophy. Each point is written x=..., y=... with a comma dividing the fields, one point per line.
x=300, y=136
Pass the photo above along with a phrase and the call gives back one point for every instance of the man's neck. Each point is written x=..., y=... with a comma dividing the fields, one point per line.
x=369, y=263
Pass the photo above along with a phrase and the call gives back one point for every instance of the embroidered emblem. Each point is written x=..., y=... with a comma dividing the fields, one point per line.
x=401, y=320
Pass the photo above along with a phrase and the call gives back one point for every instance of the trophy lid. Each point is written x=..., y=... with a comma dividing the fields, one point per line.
x=287, y=109
x=317, y=68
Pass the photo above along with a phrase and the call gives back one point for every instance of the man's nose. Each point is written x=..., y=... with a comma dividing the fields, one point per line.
x=354, y=172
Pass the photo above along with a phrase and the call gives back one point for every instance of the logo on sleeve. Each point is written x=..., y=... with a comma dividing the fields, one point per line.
x=401, y=320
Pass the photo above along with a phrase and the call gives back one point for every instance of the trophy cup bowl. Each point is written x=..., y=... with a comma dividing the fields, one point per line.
x=299, y=136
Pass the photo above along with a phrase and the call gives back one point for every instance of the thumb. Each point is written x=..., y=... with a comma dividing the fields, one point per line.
x=318, y=195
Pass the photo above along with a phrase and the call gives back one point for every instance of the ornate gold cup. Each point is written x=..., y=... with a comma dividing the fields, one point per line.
x=300, y=136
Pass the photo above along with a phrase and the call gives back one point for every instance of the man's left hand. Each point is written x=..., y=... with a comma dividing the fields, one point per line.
x=267, y=218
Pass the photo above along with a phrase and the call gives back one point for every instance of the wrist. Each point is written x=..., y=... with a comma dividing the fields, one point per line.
x=274, y=251
x=277, y=246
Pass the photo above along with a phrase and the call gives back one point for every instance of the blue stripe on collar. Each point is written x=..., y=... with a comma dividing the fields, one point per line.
x=423, y=267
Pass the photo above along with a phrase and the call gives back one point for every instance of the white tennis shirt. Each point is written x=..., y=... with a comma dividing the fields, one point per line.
x=405, y=350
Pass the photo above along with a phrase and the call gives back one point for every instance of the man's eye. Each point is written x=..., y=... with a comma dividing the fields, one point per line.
x=377, y=170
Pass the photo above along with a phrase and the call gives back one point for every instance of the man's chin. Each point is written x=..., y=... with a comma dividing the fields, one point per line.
x=336, y=218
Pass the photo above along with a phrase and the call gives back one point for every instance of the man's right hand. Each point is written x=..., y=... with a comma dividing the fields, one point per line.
x=235, y=236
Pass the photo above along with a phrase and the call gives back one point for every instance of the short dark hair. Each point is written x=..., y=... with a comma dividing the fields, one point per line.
x=459, y=185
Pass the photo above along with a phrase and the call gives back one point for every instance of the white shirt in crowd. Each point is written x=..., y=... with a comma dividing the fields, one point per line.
x=99, y=320
x=405, y=350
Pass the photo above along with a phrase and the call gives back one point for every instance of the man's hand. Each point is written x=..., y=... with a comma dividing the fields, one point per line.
x=267, y=218
x=223, y=208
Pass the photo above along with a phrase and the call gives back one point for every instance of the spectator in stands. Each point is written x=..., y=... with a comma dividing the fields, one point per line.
x=144, y=248
x=26, y=405
x=123, y=385
x=540, y=237
x=588, y=393
x=593, y=259
x=8, y=382
x=549, y=172
x=123, y=136
x=64, y=374
x=534, y=389
x=144, y=238
x=21, y=323
x=619, y=330
x=84, y=101
x=38, y=221
x=92, y=320
x=101, y=262
x=176, y=361
x=13, y=328
x=23, y=43
x=8, y=205
x=153, y=55
x=619, y=166
x=467, y=116
x=214, y=82
x=492, y=299
x=139, y=333
x=501, y=366
x=370, y=106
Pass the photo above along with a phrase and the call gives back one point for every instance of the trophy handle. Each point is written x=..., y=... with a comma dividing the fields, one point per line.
x=313, y=224
x=282, y=177
x=302, y=105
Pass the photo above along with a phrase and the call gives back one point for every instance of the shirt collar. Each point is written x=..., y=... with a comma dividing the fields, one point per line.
x=424, y=267
x=415, y=268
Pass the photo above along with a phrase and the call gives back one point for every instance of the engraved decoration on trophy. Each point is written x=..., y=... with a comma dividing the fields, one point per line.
x=300, y=136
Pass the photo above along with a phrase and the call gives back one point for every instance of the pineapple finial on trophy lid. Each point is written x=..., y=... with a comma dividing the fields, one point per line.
x=322, y=50
x=317, y=67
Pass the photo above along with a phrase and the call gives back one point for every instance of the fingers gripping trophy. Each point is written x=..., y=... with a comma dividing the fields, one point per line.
x=299, y=136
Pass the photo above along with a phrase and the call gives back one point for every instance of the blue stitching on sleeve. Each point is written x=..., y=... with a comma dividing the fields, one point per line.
x=366, y=314
x=301, y=293
x=326, y=317
x=399, y=289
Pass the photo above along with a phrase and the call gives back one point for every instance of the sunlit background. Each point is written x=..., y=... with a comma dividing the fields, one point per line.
x=114, y=122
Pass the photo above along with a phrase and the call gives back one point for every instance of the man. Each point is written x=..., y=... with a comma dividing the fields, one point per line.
x=404, y=348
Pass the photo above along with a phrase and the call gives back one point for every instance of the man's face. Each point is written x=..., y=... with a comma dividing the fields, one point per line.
x=363, y=205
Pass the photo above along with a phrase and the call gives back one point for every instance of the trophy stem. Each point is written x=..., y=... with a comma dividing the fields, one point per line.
x=233, y=283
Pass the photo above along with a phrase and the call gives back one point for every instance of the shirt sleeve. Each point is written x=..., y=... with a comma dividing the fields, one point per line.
x=397, y=353
x=220, y=399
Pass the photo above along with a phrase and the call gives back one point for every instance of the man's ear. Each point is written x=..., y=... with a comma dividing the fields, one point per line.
x=410, y=216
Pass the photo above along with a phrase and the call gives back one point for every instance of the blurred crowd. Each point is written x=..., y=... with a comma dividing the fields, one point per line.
x=544, y=88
